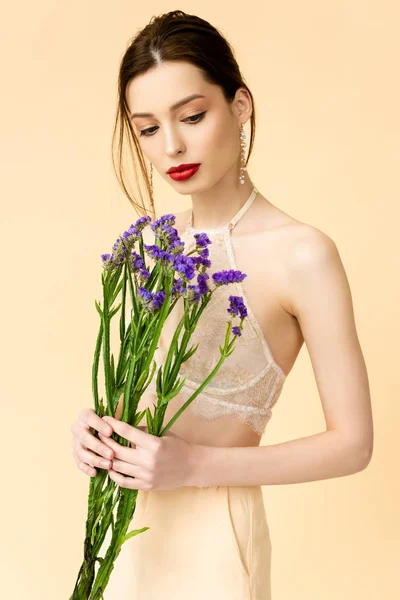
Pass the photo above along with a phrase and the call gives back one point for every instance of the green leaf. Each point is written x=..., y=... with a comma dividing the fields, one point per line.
x=153, y=368
x=132, y=533
x=112, y=372
x=190, y=353
x=102, y=409
x=149, y=420
x=98, y=308
x=176, y=389
x=159, y=377
x=115, y=310
x=139, y=417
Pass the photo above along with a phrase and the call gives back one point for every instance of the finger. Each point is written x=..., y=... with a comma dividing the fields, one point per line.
x=86, y=469
x=128, y=482
x=89, y=441
x=133, y=434
x=93, y=460
x=82, y=466
x=89, y=417
x=122, y=452
x=132, y=470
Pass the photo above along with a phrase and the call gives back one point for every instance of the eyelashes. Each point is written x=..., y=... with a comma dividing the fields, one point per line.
x=199, y=117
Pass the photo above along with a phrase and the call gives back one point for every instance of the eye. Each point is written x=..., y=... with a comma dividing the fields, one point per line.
x=199, y=117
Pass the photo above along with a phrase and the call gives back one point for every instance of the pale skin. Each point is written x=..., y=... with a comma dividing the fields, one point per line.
x=304, y=298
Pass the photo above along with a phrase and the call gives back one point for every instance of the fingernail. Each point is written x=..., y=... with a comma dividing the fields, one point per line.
x=105, y=464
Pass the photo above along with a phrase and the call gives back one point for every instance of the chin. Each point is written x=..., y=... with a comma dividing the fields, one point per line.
x=189, y=187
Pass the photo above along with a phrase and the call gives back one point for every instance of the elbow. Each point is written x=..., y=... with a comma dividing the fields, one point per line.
x=365, y=456
x=358, y=450
x=357, y=454
x=362, y=456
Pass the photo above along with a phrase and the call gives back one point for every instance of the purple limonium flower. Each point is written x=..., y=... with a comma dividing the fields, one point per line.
x=107, y=260
x=166, y=234
x=178, y=287
x=143, y=276
x=202, y=240
x=225, y=277
x=202, y=283
x=141, y=223
x=117, y=244
x=185, y=265
x=158, y=300
x=160, y=255
x=131, y=236
x=237, y=306
x=136, y=262
x=168, y=219
x=177, y=246
x=202, y=262
x=116, y=258
x=192, y=293
x=146, y=295
x=119, y=253
x=151, y=301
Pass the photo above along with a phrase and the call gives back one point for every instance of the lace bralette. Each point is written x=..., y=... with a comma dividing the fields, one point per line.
x=249, y=382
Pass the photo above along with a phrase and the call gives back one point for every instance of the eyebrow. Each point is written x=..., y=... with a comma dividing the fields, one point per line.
x=173, y=107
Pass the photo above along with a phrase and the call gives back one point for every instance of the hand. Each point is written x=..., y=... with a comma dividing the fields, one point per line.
x=84, y=442
x=154, y=463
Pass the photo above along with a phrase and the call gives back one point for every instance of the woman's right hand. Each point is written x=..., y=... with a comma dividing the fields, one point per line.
x=88, y=450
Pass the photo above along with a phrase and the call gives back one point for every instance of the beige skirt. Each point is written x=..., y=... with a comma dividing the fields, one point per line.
x=208, y=543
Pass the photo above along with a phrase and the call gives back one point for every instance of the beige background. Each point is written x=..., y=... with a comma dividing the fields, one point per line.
x=325, y=80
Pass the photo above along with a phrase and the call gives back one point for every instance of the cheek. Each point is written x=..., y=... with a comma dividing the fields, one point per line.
x=151, y=150
x=216, y=138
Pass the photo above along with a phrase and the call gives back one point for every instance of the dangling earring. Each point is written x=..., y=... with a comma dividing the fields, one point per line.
x=242, y=154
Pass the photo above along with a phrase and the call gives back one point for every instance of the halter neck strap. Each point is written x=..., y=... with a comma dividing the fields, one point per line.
x=234, y=219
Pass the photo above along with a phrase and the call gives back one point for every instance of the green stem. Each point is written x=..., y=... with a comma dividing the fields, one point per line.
x=106, y=352
x=126, y=508
x=224, y=355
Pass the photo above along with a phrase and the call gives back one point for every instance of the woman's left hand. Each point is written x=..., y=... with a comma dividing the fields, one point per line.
x=154, y=463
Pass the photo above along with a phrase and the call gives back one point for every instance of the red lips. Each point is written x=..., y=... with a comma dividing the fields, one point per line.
x=182, y=167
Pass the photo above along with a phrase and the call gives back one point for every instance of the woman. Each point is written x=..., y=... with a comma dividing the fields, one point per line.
x=183, y=103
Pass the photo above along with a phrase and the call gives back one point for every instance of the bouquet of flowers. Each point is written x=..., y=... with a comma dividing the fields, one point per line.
x=153, y=293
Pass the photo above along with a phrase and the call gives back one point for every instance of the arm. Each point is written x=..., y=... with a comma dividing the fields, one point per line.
x=320, y=298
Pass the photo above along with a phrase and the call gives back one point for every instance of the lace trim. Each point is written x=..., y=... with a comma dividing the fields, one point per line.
x=208, y=408
x=238, y=388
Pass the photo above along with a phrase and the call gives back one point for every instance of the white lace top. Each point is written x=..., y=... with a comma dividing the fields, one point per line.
x=249, y=382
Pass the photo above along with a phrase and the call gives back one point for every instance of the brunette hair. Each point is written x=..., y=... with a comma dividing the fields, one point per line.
x=173, y=36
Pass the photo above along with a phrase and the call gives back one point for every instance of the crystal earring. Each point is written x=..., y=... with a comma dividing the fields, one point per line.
x=242, y=153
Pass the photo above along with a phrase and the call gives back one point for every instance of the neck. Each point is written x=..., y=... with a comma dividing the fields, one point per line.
x=216, y=206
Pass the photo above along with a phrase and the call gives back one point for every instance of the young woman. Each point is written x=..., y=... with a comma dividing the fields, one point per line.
x=182, y=106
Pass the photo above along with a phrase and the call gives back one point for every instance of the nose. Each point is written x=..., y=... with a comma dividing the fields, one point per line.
x=174, y=143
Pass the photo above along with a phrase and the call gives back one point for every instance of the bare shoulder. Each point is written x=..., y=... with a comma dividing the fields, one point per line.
x=296, y=242
x=303, y=252
x=305, y=245
x=311, y=262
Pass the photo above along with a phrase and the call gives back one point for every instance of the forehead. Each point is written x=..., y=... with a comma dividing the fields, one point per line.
x=164, y=85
